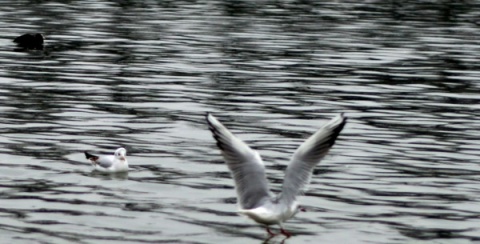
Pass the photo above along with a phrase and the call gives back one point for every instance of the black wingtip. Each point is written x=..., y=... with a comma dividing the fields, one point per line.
x=338, y=129
x=208, y=115
x=211, y=127
x=344, y=119
x=208, y=121
x=215, y=132
x=88, y=155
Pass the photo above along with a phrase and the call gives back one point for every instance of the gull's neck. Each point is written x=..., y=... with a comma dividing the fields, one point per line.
x=120, y=164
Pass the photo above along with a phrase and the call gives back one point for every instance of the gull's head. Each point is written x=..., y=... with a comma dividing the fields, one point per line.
x=121, y=153
x=39, y=37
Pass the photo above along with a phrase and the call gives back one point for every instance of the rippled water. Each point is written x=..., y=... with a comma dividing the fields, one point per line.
x=142, y=74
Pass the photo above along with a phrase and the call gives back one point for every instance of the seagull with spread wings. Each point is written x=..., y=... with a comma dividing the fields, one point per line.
x=248, y=171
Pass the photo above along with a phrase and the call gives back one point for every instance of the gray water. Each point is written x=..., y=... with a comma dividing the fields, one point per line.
x=143, y=74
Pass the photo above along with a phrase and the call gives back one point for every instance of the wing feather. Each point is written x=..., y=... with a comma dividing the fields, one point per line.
x=105, y=161
x=102, y=161
x=307, y=156
x=245, y=165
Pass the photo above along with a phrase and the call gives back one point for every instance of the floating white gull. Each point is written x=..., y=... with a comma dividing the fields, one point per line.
x=110, y=163
x=248, y=171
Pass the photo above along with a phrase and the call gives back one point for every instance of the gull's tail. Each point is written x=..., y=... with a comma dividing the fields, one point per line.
x=90, y=156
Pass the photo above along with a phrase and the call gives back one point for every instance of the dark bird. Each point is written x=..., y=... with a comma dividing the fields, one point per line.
x=30, y=41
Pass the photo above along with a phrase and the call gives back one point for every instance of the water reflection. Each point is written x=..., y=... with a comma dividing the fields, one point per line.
x=143, y=74
x=110, y=176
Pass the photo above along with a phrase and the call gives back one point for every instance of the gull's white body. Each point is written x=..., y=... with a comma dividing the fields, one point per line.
x=110, y=163
x=248, y=171
x=271, y=214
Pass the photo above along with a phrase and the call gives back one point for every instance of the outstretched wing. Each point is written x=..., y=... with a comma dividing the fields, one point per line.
x=245, y=164
x=307, y=156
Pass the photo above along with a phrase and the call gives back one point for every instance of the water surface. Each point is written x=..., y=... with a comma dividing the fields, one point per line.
x=143, y=74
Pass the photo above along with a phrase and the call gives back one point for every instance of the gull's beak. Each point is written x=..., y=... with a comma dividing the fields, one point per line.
x=122, y=158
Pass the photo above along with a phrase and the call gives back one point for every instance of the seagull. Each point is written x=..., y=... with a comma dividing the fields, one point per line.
x=248, y=171
x=30, y=41
x=110, y=163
